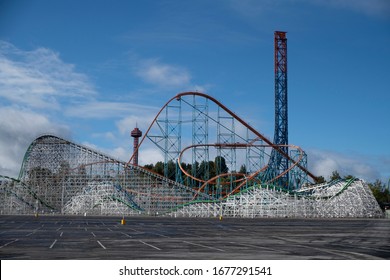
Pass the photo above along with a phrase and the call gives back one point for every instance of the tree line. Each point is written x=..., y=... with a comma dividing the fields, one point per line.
x=204, y=170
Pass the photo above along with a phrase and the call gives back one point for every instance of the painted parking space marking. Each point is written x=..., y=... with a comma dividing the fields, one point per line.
x=204, y=246
x=101, y=245
x=6, y=244
x=52, y=245
x=150, y=245
x=136, y=230
x=125, y=234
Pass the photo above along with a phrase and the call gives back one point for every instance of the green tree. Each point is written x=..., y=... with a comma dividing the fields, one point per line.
x=149, y=166
x=348, y=177
x=335, y=176
x=206, y=170
x=171, y=170
x=220, y=165
x=381, y=194
x=159, y=168
x=243, y=169
x=320, y=180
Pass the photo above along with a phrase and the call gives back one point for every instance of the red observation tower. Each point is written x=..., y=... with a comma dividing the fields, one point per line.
x=136, y=133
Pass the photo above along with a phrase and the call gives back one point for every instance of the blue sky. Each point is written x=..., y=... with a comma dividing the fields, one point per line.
x=91, y=70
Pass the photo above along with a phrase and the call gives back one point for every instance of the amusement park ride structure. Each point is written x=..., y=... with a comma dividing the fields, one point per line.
x=215, y=164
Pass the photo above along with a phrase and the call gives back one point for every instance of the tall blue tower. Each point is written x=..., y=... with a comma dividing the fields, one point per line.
x=279, y=163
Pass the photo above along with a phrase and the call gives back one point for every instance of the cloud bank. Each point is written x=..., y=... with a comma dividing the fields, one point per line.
x=39, y=78
x=33, y=86
x=18, y=129
x=323, y=163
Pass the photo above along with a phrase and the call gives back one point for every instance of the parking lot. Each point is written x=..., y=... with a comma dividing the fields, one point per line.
x=73, y=237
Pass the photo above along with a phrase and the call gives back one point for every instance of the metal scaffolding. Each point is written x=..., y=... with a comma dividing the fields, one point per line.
x=61, y=177
x=341, y=199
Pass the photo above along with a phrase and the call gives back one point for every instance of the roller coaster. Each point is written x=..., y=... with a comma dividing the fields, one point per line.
x=215, y=164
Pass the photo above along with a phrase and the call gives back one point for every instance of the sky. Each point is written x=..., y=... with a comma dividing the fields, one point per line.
x=90, y=71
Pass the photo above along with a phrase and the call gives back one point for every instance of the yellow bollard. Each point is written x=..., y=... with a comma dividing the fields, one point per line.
x=123, y=221
x=36, y=215
x=220, y=218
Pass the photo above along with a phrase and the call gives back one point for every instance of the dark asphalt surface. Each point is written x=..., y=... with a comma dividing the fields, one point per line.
x=72, y=237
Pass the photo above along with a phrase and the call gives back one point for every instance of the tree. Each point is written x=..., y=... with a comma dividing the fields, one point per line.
x=220, y=165
x=335, y=176
x=243, y=169
x=149, y=166
x=206, y=170
x=349, y=177
x=159, y=168
x=381, y=194
x=171, y=170
x=320, y=180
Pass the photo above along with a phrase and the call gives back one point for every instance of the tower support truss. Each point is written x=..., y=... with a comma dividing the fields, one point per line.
x=278, y=162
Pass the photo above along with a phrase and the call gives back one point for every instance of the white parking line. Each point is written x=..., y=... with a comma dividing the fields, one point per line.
x=101, y=245
x=9, y=243
x=258, y=247
x=126, y=234
x=52, y=245
x=154, y=247
x=93, y=234
x=204, y=246
x=61, y=233
x=136, y=230
x=34, y=231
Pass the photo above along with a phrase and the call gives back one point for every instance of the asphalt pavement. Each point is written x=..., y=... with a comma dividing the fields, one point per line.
x=105, y=238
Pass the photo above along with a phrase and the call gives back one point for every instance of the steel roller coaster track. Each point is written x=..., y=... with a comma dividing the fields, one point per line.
x=237, y=145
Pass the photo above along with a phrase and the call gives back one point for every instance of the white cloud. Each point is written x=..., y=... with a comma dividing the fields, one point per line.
x=108, y=109
x=147, y=153
x=31, y=81
x=163, y=75
x=18, y=129
x=142, y=121
x=323, y=163
x=150, y=155
x=39, y=78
